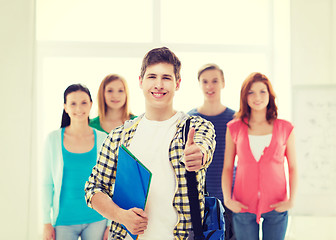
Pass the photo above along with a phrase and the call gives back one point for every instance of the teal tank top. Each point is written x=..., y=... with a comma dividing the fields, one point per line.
x=76, y=171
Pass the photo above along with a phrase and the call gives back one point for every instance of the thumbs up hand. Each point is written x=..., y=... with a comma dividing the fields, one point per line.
x=193, y=155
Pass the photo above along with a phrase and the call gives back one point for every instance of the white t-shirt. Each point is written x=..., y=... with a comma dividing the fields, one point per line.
x=150, y=145
x=258, y=144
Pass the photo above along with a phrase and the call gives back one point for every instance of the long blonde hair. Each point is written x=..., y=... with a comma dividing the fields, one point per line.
x=101, y=99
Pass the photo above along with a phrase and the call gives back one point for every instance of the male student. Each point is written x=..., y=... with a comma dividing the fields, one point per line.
x=211, y=81
x=155, y=138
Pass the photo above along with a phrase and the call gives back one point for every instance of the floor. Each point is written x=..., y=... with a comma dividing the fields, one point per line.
x=311, y=228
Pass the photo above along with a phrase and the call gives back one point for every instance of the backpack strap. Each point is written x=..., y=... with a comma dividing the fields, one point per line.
x=195, y=211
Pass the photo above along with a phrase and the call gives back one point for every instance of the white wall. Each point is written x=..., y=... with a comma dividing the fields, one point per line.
x=16, y=136
x=313, y=47
x=313, y=62
x=313, y=54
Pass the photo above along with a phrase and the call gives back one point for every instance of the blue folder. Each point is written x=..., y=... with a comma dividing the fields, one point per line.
x=132, y=182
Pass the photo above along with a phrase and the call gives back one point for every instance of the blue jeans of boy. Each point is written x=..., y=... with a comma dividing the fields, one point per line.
x=91, y=231
x=274, y=226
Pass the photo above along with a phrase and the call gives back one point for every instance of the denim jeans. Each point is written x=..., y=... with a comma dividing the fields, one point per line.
x=274, y=226
x=90, y=231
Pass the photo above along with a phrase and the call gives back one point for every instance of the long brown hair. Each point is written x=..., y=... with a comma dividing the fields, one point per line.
x=244, y=112
x=70, y=89
x=101, y=97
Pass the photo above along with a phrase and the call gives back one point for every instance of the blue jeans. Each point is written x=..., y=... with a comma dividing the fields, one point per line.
x=91, y=231
x=274, y=226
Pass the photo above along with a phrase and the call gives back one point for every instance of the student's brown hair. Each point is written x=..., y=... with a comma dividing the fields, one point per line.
x=245, y=110
x=101, y=97
x=161, y=55
x=209, y=66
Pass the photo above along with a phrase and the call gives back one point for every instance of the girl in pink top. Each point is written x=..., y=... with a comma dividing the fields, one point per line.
x=261, y=142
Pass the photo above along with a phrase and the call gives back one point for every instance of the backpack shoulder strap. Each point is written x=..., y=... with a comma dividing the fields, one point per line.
x=195, y=211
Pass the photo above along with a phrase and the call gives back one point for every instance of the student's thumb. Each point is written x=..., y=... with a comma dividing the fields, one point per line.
x=191, y=135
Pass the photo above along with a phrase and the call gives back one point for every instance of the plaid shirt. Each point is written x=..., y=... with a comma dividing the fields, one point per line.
x=103, y=174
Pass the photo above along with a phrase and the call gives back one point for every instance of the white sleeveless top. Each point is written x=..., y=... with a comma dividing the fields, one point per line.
x=258, y=144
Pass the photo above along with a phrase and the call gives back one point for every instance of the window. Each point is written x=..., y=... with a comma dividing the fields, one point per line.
x=94, y=21
x=216, y=22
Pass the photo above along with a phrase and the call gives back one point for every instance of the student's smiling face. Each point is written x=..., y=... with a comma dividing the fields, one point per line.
x=211, y=83
x=78, y=106
x=258, y=96
x=115, y=95
x=159, y=85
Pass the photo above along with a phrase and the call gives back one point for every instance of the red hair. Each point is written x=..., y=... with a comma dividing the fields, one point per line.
x=244, y=112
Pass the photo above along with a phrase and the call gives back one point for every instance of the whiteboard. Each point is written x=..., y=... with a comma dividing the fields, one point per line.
x=314, y=118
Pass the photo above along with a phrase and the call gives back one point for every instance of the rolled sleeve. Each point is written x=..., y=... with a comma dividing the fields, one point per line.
x=103, y=174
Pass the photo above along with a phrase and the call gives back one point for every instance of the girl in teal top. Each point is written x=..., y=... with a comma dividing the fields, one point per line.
x=113, y=104
x=76, y=169
x=70, y=154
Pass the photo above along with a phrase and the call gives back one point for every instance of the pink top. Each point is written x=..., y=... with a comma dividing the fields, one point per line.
x=260, y=184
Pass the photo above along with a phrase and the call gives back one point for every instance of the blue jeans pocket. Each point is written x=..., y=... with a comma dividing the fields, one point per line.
x=274, y=225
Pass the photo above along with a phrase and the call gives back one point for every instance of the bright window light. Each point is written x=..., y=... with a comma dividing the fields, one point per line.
x=216, y=22
x=96, y=21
